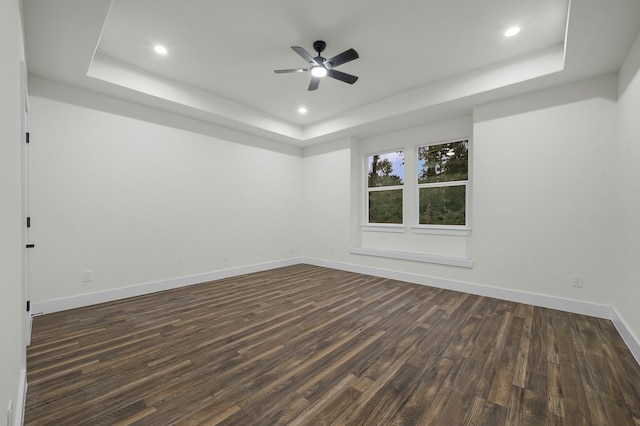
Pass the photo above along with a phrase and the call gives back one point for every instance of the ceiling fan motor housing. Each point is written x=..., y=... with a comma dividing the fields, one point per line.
x=319, y=46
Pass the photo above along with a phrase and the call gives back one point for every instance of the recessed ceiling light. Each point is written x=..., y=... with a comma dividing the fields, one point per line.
x=302, y=110
x=160, y=49
x=512, y=31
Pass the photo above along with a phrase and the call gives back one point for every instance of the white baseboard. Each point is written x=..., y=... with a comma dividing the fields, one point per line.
x=568, y=305
x=79, y=301
x=22, y=399
x=632, y=341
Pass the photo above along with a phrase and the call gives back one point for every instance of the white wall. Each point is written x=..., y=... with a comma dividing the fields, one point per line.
x=542, y=199
x=11, y=304
x=136, y=202
x=626, y=251
x=326, y=210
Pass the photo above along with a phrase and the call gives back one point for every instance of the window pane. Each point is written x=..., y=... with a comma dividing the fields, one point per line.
x=385, y=206
x=386, y=169
x=443, y=163
x=444, y=205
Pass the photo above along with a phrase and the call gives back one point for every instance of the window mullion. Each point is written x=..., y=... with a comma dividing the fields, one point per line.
x=385, y=188
x=440, y=184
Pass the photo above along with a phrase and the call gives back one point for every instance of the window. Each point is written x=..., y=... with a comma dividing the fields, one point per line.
x=385, y=179
x=443, y=173
x=414, y=203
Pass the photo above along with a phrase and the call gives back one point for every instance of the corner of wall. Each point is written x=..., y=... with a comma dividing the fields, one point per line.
x=632, y=341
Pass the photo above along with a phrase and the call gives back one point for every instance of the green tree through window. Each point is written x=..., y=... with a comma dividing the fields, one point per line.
x=384, y=187
x=443, y=173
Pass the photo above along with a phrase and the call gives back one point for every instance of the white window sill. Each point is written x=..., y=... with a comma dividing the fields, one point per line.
x=384, y=227
x=459, y=261
x=441, y=230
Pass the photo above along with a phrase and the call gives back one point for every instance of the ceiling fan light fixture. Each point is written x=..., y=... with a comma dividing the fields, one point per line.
x=318, y=71
x=512, y=31
x=160, y=49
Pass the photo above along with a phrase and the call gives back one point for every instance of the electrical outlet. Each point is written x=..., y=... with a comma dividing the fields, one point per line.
x=226, y=257
x=331, y=250
x=87, y=276
x=577, y=281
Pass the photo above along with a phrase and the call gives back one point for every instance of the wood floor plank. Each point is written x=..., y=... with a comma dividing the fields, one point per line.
x=306, y=345
x=427, y=384
x=555, y=393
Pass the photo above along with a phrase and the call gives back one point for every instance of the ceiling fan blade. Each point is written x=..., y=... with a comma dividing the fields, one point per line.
x=291, y=70
x=344, y=57
x=314, y=83
x=342, y=76
x=305, y=55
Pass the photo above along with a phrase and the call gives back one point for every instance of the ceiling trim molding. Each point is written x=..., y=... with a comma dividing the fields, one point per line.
x=223, y=111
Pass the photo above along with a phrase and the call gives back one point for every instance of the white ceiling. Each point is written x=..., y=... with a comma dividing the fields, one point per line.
x=419, y=60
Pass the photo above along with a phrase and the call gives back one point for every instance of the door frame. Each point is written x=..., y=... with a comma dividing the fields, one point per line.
x=24, y=142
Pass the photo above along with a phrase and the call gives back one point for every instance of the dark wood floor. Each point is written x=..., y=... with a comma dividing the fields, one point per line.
x=305, y=345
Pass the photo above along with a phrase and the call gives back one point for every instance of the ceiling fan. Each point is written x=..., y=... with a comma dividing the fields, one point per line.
x=321, y=67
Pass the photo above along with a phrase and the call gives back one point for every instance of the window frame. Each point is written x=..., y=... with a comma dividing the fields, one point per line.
x=411, y=205
x=419, y=228
x=375, y=226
